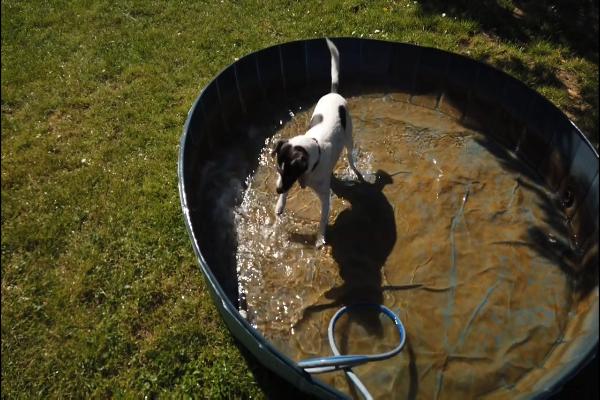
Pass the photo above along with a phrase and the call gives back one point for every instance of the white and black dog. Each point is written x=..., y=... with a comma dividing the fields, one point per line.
x=311, y=158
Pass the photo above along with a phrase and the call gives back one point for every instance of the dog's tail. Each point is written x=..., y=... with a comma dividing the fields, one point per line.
x=335, y=66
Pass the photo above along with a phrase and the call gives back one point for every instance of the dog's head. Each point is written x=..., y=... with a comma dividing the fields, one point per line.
x=292, y=163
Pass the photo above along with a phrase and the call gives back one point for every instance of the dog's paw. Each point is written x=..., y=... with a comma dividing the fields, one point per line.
x=320, y=243
x=280, y=205
x=356, y=174
x=370, y=178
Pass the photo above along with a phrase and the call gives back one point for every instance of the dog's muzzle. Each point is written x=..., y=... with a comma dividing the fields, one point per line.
x=284, y=184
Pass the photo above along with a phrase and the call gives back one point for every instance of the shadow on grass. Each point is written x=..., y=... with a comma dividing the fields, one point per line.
x=572, y=24
x=272, y=385
x=589, y=118
x=569, y=23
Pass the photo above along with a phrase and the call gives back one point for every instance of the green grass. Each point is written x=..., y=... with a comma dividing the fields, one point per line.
x=101, y=292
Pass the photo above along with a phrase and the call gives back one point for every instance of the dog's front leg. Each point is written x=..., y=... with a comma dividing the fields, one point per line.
x=281, y=203
x=325, y=197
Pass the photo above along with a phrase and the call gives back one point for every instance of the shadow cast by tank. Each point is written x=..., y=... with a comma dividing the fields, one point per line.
x=583, y=386
x=222, y=178
x=272, y=385
x=559, y=249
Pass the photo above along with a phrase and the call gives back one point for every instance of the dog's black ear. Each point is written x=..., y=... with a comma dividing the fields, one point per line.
x=278, y=145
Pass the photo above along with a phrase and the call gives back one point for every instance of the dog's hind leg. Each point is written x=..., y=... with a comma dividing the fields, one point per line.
x=350, y=149
x=325, y=197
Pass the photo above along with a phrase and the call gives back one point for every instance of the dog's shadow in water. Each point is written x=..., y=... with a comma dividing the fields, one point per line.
x=361, y=239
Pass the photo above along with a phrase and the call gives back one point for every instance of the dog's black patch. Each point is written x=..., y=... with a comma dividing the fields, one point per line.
x=342, y=112
x=292, y=162
x=315, y=120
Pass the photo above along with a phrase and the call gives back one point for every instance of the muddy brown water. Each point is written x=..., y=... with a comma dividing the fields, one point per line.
x=450, y=232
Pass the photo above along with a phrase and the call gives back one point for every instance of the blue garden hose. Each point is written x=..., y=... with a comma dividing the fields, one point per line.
x=338, y=361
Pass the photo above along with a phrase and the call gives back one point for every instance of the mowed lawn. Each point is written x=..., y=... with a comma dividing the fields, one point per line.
x=101, y=292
